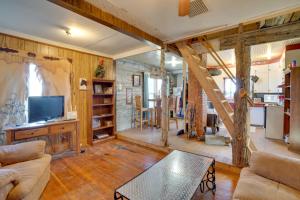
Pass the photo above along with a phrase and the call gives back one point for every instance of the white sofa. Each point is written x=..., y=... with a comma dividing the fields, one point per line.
x=269, y=177
x=24, y=170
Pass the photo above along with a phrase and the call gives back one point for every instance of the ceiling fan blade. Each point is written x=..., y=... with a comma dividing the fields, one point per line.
x=184, y=7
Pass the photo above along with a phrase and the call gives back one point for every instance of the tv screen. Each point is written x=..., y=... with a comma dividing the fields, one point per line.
x=45, y=108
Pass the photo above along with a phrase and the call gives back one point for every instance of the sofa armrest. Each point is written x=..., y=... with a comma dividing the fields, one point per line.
x=277, y=168
x=10, y=154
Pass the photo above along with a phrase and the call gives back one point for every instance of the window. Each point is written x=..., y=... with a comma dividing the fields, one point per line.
x=229, y=88
x=154, y=90
x=35, y=87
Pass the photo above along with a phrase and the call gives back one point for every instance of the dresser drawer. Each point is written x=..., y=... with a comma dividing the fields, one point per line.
x=30, y=133
x=62, y=128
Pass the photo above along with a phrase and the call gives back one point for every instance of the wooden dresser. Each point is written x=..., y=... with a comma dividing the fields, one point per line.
x=33, y=130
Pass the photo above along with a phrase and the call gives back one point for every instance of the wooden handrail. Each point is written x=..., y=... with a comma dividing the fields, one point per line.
x=217, y=58
x=221, y=63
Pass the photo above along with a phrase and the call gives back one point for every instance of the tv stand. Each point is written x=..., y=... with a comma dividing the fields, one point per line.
x=27, y=131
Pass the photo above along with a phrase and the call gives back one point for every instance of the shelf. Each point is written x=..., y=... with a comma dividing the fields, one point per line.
x=102, y=127
x=102, y=94
x=103, y=116
x=288, y=99
x=103, y=104
x=95, y=141
x=288, y=86
x=287, y=113
x=97, y=80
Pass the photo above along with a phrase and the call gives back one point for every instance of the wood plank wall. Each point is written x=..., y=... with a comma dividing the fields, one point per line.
x=83, y=66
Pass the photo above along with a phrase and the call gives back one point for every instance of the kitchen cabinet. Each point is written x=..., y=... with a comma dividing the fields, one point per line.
x=275, y=78
x=270, y=76
x=257, y=115
x=262, y=84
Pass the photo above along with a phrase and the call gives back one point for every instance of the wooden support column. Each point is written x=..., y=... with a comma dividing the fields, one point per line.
x=184, y=67
x=195, y=96
x=164, y=99
x=241, y=114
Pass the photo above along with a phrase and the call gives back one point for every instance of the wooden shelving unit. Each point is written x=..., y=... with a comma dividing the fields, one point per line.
x=287, y=99
x=103, y=111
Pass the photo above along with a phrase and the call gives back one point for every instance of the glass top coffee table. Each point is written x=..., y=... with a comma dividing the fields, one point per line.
x=175, y=177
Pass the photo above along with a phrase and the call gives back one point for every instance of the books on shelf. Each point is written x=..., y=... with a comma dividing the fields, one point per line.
x=100, y=136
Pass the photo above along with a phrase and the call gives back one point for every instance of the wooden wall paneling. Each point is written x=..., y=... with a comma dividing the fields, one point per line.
x=83, y=66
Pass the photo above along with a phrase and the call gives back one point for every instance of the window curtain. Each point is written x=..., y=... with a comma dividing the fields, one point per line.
x=56, y=79
x=146, y=90
x=55, y=76
x=14, y=91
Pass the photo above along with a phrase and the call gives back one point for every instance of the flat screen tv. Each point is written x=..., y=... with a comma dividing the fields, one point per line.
x=45, y=108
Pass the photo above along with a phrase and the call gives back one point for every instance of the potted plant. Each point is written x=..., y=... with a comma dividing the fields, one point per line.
x=100, y=71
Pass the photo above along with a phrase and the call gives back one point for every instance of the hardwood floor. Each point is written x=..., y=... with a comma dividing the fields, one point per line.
x=103, y=167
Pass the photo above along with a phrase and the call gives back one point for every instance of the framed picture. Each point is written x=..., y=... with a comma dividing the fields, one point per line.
x=98, y=89
x=82, y=84
x=129, y=96
x=136, y=80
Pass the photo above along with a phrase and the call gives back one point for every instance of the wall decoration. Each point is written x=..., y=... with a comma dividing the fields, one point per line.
x=136, y=80
x=129, y=96
x=82, y=84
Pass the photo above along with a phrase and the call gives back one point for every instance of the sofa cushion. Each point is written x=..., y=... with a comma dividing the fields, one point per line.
x=254, y=187
x=5, y=190
x=29, y=174
x=277, y=168
x=10, y=154
x=8, y=176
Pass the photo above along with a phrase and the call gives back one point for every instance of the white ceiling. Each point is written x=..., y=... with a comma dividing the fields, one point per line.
x=152, y=58
x=160, y=17
x=43, y=19
x=40, y=19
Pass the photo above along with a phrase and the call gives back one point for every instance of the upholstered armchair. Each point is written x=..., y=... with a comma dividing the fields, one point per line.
x=24, y=171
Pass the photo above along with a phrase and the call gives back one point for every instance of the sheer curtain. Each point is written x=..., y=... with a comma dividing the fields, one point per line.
x=14, y=91
x=56, y=79
x=54, y=75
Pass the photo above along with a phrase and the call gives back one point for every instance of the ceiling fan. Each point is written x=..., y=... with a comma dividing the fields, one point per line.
x=191, y=7
x=184, y=7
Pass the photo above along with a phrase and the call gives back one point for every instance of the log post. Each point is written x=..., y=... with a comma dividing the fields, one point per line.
x=196, y=96
x=164, y=99
x=184, y=67
x=241, y=115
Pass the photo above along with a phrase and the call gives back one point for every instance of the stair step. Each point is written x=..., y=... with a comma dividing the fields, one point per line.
x=224, y=101
x=196, y=58
x=231, y=115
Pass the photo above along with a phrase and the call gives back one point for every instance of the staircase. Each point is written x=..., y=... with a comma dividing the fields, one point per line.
x=210, y=87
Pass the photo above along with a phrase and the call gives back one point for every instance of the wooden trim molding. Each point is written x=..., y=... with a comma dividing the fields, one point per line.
x=96, y=14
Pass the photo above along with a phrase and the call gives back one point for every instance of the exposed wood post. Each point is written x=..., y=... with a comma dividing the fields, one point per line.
x=241, y=115
x=195, y=96
x=184, y=67
x=164, y=99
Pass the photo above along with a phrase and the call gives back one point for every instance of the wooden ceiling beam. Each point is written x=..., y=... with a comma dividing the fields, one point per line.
x=266, y=35
x=96, y=14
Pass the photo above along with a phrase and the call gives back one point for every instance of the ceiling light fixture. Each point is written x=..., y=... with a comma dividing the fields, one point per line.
x=174, y=61
x=74, y=32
